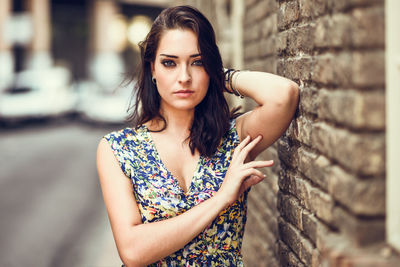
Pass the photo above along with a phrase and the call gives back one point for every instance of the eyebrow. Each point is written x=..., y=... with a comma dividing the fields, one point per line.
x=172, y=56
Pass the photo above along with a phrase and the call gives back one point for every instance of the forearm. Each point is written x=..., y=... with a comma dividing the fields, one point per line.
x=154, y=241
x=263, y=88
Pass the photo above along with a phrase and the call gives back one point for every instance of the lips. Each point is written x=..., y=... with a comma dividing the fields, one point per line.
x=184, y=92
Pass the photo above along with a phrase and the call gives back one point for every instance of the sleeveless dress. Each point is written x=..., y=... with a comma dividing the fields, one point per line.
x=159, y=196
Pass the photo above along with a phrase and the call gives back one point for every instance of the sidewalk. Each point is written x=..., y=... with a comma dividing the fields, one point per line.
x=101, y=251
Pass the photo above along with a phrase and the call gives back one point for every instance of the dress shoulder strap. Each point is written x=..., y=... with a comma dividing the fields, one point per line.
x=125, y=145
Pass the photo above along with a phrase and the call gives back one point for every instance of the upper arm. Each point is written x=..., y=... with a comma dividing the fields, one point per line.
x=121, y=206
x=269, y=120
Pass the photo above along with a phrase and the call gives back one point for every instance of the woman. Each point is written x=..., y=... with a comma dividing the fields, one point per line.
x=190, y=162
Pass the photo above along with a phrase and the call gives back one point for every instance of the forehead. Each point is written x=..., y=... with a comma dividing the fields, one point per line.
x=179, y=42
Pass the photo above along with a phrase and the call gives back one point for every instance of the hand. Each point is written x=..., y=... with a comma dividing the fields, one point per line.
x=240, y=175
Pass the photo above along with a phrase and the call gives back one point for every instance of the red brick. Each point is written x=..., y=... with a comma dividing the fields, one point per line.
x=361, y=232
x=310, y=197
x=354, y=109
x=290, y=209
x=333, y=69
x=300, y=39
x=308, y=103
x=361, y=153
x=303, y=130
x=298, y=243
x=281, y=42
x=362, y=197
x=368, y=68
x=287, y=258
x=312, y=227
x=340, y=5
x=333, y=31
x=288, y=12
x=299, y=68
x=366, y=21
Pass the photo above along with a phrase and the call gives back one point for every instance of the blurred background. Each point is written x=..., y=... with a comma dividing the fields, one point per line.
x=63, y=64
x=331, y=198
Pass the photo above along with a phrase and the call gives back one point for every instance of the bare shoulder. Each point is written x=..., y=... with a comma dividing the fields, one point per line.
x=111, y=176
x=105, y=157
x=117, y=191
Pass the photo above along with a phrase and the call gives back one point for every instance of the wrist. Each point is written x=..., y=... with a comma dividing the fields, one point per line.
x=231, y=76
x=221, y=201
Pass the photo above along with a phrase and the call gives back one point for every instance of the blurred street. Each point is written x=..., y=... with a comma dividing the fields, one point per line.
x=52, y=210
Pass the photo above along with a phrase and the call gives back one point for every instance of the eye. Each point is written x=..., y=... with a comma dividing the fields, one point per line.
x=168, y=63
x=198, y=62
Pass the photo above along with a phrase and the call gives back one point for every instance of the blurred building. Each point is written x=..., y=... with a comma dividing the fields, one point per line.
x=39, y=33
x=80, y=50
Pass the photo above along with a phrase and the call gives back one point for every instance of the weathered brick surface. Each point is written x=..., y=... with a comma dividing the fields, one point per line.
x=331, y=183
x=351, y=108
x=287, y=257
x=360, y=231
x=298, y=243
x=361, y=153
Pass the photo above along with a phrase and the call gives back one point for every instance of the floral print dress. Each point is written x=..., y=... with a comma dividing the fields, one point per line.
x=160, y=197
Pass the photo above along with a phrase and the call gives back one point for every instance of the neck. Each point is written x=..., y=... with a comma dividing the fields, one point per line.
x=179, y=122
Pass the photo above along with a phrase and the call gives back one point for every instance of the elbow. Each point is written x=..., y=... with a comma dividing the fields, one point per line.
x=131, y=258
x=293, y=93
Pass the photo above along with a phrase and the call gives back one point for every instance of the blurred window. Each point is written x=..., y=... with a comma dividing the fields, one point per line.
x=18, y=5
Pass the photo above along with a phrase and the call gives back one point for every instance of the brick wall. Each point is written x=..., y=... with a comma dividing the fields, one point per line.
x=260, y=246
x=324, y=202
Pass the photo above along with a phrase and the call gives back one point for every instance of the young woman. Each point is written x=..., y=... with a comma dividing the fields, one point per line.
x=190, y=163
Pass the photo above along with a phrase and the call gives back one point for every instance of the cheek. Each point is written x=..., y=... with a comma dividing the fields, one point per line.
x=204, y=80
x=164, y=82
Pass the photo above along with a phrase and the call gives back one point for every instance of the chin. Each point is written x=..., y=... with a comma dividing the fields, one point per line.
x=183, y=105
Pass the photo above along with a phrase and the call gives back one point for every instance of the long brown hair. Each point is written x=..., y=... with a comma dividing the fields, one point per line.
x=211, y=115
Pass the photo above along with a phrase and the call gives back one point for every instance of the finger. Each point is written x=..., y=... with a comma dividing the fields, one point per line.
x=245, y=151
x=240, y=147
x=243, y=143
x=251, y=171
x=258, y=164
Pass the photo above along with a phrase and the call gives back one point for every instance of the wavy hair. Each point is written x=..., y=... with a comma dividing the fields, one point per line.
x=211, y=115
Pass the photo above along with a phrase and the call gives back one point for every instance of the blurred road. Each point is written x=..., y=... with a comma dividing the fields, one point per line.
x=51, y=207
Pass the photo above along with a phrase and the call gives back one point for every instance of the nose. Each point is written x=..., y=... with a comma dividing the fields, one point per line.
x=184, y=74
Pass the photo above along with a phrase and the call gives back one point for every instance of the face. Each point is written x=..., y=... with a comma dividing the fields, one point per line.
x=181, y=79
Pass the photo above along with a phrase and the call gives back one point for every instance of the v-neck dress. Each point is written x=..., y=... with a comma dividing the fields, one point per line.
x=159, y=196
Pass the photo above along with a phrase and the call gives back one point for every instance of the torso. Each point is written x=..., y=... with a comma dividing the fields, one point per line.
x=159, y=196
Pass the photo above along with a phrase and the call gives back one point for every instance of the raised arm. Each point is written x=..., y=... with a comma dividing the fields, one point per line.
x=142, y=244
x=277, y=99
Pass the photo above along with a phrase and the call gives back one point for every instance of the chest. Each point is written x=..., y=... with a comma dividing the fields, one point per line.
x=155, y=177
x=177, y=159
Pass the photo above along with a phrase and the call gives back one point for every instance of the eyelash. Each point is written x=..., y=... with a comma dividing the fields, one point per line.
x=171, y=63
x=168, y=63
x=198, y=62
